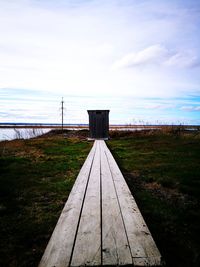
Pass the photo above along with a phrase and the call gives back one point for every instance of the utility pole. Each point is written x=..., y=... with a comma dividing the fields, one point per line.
x=62, y=109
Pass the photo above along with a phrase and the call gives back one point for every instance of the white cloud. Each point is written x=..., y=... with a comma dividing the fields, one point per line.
x=190, y=108
x=158, y=55
x=183, y=59
x=150, y=55
x=68, y=48
x=160, y=106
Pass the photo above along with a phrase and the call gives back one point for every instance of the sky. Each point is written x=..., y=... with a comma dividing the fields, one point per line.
x=138, y=58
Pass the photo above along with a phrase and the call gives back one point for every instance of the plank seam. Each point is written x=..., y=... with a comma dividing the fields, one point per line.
x=119, y=205
x=81, y=209
x=101, y=219
x=152, y=256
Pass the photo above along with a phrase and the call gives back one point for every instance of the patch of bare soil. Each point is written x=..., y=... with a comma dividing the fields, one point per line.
x=168, y=194
x=34, y=153
x=171, y=195
x=80, y=134
x=19, y=148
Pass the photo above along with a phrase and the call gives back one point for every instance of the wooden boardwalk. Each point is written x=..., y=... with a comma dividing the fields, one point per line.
x=100, y=223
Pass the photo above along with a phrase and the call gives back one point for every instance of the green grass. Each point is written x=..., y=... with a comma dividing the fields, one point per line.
x=35, y=180
x=163, y=173
x=161, y=169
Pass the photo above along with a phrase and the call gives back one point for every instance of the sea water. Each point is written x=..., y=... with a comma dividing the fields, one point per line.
x=21, y=133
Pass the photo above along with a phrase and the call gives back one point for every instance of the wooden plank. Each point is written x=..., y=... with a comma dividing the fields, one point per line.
x=115, y=247
x=143, y=248
x=87, y=249
x=59, y=248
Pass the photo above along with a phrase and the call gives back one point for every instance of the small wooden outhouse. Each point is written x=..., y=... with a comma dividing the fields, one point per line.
x=99, y=124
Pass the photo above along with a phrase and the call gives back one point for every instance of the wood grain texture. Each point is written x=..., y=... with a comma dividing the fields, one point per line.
x=115, y=247
x=59, y=248
x=87, y=249
x=100, y=223
x=143, y=248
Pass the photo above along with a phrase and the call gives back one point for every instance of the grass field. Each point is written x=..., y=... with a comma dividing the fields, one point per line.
x=163, y=173
x=36, y=178
x=161, y=169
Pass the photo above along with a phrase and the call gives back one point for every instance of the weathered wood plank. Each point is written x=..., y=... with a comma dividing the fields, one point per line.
x=87, y=249
x=100, y=223
x=143, y=248
x=59, y=248
x=115, y=247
